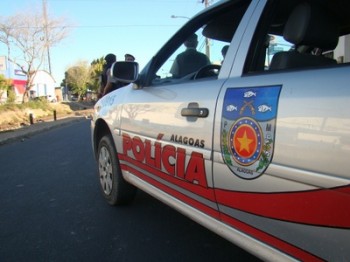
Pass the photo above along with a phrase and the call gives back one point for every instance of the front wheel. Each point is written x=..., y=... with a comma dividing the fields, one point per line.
x=114, y=188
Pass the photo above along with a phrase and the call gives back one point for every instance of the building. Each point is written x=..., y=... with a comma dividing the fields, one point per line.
x=14, y=73
x=43, y=86
x=43, y=83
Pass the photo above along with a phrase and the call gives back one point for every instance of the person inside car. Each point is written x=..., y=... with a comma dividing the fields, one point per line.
x=190, y=60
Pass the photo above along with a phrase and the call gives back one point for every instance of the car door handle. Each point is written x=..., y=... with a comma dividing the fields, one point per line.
x=194, y=111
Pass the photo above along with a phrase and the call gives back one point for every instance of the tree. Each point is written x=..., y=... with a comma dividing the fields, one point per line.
x=96, y=71
x=81, y=77
x=5, y=86
x=78, y=78
x=28, y=37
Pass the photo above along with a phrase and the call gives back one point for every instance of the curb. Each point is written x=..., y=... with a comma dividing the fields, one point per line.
x=28, y=131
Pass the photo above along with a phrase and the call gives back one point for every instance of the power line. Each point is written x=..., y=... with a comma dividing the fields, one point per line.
x=94, y=26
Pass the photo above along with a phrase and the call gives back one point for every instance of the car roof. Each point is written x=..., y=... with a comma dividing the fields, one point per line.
x=216, y=28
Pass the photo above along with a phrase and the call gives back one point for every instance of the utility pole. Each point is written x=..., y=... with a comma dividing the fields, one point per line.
x=47, y=43
x=207, y=41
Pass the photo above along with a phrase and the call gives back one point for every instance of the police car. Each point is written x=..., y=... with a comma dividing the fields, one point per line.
x=254, y=146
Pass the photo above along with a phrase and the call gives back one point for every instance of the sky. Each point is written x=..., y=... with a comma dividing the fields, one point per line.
x=99, y=27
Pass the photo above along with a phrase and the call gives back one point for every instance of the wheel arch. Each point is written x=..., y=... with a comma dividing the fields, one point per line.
x=101, y=129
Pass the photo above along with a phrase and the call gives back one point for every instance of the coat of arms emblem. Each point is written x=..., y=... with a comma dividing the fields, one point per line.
x=248, y=129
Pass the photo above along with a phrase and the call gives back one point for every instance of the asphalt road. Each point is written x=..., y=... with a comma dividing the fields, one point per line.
x=51, y=209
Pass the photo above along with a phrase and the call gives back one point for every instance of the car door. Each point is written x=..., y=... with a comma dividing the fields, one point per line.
x=167, y=123
x=280, y=170
x=167, y=148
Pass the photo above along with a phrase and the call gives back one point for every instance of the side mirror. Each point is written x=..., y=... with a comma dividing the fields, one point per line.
x=126, y=72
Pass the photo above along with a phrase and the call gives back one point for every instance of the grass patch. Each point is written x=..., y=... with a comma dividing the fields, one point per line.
x=39, y=104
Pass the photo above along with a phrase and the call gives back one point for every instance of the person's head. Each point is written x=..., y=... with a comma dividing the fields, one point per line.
x=110, y=59
x=224, y=51
x=129, y=58
x=192, y=41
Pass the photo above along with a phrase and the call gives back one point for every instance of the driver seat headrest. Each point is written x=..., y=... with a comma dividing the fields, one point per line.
x=312, y=26
x=308, y=26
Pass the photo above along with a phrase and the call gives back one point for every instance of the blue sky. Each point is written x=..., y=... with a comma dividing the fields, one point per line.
x=139, y=27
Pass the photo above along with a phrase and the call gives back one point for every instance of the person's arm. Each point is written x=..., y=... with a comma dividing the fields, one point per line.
x=101, y=87
x=107, y=88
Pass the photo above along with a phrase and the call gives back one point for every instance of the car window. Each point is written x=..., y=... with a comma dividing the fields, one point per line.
x=213, y=32
x=210, y=48
x=279, y=46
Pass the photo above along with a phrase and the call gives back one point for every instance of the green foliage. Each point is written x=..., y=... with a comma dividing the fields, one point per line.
x=37, y=104
x=5, y=85
x=82, y=77
x=78, y=78
x=11, y=96
x=96, y=70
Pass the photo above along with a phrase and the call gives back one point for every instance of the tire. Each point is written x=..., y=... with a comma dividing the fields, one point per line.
x=113, y=186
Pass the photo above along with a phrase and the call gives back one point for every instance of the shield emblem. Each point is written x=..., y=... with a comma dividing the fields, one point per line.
x=248, y=129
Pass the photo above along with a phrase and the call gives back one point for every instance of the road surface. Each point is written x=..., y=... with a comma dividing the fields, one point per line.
x=52, y=210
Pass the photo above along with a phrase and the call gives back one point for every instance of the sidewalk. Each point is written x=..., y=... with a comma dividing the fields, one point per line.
x=81, y=111
x=28, y=131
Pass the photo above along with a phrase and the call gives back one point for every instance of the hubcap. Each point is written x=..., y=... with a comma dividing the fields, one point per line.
x=105, y=170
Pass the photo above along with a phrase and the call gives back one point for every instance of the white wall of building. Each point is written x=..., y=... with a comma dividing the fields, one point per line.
x=43, y=84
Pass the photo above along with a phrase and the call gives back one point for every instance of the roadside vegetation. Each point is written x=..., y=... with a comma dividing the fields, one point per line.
x=39, y=104
x=83, y=77
x=16, y=115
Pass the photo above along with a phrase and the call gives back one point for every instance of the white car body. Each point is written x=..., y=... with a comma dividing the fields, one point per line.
x=264, y=159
